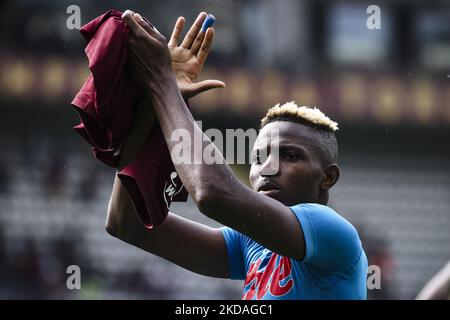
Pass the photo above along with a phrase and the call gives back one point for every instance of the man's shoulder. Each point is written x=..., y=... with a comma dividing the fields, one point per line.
x=314, y=207
x=323, y=215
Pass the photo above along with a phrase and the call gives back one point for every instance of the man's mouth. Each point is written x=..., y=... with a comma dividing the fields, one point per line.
x=270, y=193
x=268, y=188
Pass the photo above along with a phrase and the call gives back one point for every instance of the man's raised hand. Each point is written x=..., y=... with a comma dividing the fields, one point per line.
x=189, y=57
x=149, y=60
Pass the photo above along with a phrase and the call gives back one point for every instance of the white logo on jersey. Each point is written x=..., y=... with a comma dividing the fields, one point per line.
x=171, y=189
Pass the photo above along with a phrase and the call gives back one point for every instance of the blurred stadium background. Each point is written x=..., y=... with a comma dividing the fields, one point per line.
x=389, y=89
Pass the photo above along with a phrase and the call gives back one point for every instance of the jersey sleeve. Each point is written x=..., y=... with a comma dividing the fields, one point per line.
x=234, y=242
x=332, y=243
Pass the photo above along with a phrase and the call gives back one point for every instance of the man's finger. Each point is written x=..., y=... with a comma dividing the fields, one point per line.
x=144, y=24
x=206, y=46
x=128, y=18
x=208, y=22
x=150, y=29
x=193, y=31
x=197, y=42
x=179, y=25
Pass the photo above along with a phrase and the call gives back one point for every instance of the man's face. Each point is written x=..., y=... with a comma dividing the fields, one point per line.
x=299, y=173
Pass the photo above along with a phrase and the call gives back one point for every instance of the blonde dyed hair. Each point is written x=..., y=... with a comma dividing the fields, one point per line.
x=306, y=114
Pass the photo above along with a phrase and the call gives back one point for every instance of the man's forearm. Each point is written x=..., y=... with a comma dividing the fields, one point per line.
x=198, y=177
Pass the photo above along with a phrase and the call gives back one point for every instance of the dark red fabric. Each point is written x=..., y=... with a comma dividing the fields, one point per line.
x=107, y=103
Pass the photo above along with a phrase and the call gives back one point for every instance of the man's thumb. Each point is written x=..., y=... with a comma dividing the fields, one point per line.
x=206, y=85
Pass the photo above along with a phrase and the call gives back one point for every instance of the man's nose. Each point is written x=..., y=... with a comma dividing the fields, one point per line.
x=270, y=167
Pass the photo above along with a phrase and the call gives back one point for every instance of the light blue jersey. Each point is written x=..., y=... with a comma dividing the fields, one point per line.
x=334, y=267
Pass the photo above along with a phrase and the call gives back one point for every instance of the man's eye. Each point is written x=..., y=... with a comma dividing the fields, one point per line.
x=291, y=156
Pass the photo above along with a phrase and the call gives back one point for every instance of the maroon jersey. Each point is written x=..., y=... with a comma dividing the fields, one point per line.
x=107, y=103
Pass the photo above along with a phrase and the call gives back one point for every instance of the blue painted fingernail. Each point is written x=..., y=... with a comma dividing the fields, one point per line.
x=209, y=21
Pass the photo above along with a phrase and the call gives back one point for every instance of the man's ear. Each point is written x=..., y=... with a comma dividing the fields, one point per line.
x=331, y=176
